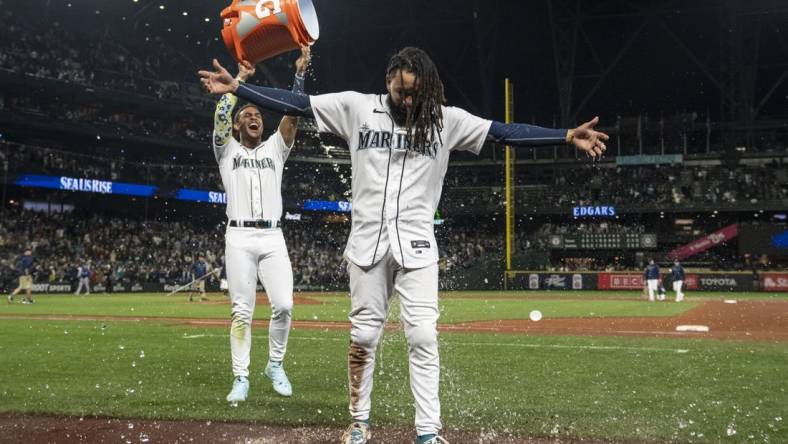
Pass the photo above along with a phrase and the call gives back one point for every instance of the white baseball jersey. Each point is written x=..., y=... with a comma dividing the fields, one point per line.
x=396, y=187
x=252, y=178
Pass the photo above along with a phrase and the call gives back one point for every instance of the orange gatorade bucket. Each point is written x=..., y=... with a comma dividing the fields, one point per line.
x=256, y=30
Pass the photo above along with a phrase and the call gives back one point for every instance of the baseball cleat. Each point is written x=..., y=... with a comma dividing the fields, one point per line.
x=240, y=390
x=10, y=299
x=436, y=440
x=276, y=373
x=357, y=433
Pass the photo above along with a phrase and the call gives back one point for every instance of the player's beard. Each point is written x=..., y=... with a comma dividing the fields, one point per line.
x=399, y=113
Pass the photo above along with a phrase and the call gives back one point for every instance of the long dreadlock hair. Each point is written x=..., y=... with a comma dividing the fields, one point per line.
x=425, y=117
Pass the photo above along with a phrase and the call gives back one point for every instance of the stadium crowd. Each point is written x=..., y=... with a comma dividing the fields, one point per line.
x=304, y=181
x=127, y=251
x=91, y=56
x=665, y=186
x=670, y=186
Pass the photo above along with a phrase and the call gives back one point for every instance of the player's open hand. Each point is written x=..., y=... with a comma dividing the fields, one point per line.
x=589, y=140
x=245, y=70
x=218, y=81
x=303, y=61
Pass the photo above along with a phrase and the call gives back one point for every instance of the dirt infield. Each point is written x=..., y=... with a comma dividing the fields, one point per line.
x=753, y=320
x=67, y=430
x=744, y=320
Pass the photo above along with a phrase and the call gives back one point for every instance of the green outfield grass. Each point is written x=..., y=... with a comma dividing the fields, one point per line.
x=655, y=390
x=455, y=307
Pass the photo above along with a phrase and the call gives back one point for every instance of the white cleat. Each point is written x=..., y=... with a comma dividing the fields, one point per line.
x=276, y=373
x=436, y=440
x=239, y=392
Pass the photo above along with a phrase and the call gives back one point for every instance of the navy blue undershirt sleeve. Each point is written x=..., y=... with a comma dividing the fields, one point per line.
x=521, y=134
x=277, y=100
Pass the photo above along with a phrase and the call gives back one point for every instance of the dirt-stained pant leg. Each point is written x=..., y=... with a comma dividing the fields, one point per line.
x=418, y=293
x=370, y=292
x=276, y=274
x=241, y=259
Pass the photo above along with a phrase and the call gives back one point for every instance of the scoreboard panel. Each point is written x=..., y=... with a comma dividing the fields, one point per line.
x=603, y=241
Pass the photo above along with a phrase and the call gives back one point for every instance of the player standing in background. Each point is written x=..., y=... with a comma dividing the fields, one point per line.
x=83, y=274
x=25, y=269
x=677, y=272
x=400, y=144
x=198, y=270
x=254, y=246
x=651, y=276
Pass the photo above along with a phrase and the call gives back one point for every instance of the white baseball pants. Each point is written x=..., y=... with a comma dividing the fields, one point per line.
x=83, y=283
x=677, y=288
x=252, y=253
x=371, y=289
x=653, y=287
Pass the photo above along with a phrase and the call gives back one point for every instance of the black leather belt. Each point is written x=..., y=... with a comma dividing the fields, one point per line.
x=256, y=223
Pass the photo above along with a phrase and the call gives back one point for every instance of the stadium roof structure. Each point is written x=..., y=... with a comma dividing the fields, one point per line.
x=569, y=59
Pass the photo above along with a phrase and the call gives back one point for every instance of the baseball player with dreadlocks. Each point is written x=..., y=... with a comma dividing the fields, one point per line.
x=251, y=171
x=400, y=144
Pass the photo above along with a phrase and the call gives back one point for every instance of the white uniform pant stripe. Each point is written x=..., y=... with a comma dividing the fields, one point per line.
x=252, y=253
x=371, y=289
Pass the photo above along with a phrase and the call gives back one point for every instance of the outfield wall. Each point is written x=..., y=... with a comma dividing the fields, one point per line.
x=708, y=281
x=518, y=280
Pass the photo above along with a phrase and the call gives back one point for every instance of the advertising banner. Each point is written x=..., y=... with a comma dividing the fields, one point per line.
x=692, y=281
x=704, y=243
x=774, y=281
x=553, y=281
x=620, y=281
x=84, y=184
x=147, y=287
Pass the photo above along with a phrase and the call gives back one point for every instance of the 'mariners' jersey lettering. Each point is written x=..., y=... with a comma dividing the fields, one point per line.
x=260, y=164
x=396, y=185
x=400, y=140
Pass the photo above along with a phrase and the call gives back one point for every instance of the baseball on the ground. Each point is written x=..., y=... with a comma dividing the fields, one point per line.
x=535, y=315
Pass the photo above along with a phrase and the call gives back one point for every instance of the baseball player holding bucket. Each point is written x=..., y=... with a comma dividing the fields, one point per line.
x=251, y=171
x=400, y=144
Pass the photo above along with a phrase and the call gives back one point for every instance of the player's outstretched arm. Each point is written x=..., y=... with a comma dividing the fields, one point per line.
x=277, y=100
x=584, y=137
x=223, y=116
x=288, y=126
